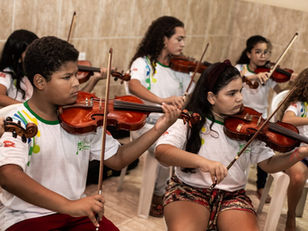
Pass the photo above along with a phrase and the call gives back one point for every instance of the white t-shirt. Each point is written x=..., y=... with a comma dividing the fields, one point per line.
x=215, y=145
x=54, y=158
x=255, y=98
x=300, y=110
x=164, y=83
x=7, y=81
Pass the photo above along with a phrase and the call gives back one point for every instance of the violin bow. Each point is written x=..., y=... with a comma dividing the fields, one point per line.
x=256, y=133
x=101, y=164
x=71, y=26
x=196, y=69
x=282, y=55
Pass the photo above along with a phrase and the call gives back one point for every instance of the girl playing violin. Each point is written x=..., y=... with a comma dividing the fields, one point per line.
x=296, y=114
x=44, y=179
x=257, y=54
x=154, y=81
x=14, y=85
x=200, y=154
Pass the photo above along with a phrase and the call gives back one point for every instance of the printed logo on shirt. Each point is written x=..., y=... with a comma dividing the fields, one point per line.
x=3, y=75
x=135, y=69
x=82, y=146
x=8, y=143
x=303, y=110
x=247, y=150
x=203, y=131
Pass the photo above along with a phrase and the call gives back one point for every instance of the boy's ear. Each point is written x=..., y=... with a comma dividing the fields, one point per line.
x=211, y=97
x=39, y=81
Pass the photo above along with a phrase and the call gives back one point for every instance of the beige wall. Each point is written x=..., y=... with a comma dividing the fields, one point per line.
x=290, y=4
x=120, y=24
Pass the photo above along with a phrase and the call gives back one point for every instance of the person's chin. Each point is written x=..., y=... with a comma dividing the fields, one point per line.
x=71, y=100
x=261, y=63
x=237, y=109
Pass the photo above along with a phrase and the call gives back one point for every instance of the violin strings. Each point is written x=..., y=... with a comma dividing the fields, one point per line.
x=287, y=132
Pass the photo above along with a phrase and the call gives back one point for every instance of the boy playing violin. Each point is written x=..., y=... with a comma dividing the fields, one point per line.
x=44, y=178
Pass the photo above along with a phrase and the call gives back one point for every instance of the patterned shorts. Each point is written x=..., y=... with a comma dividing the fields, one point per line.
x=216, y=201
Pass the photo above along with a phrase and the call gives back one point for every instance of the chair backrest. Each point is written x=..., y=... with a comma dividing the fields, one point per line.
x=275, y=102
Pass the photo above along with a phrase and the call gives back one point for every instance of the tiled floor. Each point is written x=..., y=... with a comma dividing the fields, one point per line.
x=121, y=207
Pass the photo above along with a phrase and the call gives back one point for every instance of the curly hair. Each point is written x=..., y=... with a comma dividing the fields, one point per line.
x=11, y=55
x=153, y=41
x=213, y=79
x=46, y=55
x=300, y=94
x=250, y=44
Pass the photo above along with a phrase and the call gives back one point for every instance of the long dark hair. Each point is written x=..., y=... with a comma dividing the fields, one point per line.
x=153, y=41
x=300, y=94
x=250, y=44
x=12, y=51
x=213, y=79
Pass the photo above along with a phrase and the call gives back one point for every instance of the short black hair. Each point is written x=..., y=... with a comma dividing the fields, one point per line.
x=46, y=55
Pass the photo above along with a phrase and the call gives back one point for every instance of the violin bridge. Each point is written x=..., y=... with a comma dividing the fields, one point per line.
x=259, y=120
x=239, y=127
x=247, y=117
x=100, y=104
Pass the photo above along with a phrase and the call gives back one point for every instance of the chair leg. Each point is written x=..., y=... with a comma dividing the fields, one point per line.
x=301, y=203
x=147, y=185
x=266, y=189
x=121, y=179
x=281, y=183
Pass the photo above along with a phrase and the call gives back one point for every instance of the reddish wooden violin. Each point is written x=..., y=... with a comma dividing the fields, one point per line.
x=277, y=74
x=186, y=64
x=124, y=112
x=18, y=130
x=280, y=136
x=86, y=71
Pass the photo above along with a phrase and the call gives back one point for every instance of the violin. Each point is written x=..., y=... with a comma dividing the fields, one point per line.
x=18, y=130
x=185, y=64
x=124, y=112
x=279, y=75
x=86, y=71
x=279, y=136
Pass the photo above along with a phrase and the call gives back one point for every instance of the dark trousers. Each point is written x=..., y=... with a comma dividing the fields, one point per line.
x=261, y=178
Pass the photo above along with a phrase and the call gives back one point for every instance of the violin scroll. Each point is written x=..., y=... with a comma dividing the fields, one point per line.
x=18, y=130
x=120, y=75
x=190, y=117
x=252, y=85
